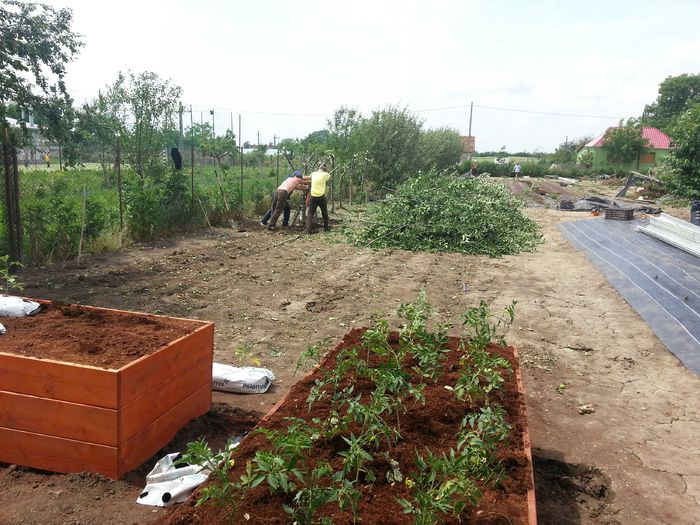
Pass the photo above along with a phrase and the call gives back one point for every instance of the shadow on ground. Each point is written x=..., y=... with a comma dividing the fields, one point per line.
x=571, y=493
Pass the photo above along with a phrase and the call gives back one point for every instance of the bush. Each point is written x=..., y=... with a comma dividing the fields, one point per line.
x=451, y=214
x=157, y=206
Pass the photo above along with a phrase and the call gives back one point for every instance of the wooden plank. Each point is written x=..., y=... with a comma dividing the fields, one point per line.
x=56, y=454
x=146, y=443
x=148, y=372
x=58, y=418
x=143, y=411
x=56, y=380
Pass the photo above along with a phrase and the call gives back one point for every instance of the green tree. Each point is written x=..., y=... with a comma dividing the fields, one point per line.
x=197, y=134
x=343, y=137
x=624, y=143
x=568, y=150
x=36, y=42
x=585, y=158
x=57, y=119
x=391, y=138
x=676, y=95
x=681, y=170
x=439, y=149
x=35, y=45
x=141, y=108
x=220, y=147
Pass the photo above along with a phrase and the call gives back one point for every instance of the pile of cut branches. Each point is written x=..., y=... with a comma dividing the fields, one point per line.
x=450, y=214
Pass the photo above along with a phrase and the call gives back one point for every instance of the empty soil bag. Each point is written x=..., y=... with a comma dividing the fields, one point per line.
x=171, y=482
x=11, y=306
x=241, y=380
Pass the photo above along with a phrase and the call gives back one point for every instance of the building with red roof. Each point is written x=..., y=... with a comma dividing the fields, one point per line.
x=658, y=144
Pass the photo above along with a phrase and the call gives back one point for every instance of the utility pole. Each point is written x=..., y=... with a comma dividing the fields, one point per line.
x=191, y=162
x=641, y=125
x=240, y=146
x=471, y=110
x=213, y=129
x=233, y=137
x=277, y=153
x=180, y=143
x=261, y=158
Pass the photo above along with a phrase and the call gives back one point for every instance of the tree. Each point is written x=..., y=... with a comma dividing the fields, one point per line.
x=343, y=137
x=220, y=147
x=676, y=95
x=140, y=110
x=567, y=151
x=391, y=139
x=439, y=149
x=35, y=44
x=624, y=143
x=586, y=158
x=681, y=171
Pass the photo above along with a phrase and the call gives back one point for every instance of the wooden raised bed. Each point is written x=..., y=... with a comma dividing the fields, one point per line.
x=512, y=502
x=68, y=417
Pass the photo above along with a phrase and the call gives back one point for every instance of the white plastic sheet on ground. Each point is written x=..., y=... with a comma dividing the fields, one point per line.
x=169, y=483
x=11, y=306
x=241, y=380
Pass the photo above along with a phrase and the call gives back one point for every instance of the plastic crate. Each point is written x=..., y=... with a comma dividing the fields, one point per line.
x=619, y=214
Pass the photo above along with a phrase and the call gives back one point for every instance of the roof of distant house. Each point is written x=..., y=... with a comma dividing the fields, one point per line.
x=14, y=123
x=656, y=138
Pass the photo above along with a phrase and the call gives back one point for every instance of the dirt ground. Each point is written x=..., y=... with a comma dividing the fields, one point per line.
x=634, y=460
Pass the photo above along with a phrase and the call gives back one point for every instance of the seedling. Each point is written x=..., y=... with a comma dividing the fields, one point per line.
x=8, y=276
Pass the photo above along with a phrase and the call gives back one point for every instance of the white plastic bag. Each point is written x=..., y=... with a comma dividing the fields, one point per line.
x=166, y=484
x=241, y=380
x=11, y=306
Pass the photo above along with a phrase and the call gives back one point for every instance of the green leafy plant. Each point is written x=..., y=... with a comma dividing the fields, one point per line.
x=8, y=276
x=220, y=489
x=364, y=424
x=481, y=371
x=441, y=485
x=482, y=434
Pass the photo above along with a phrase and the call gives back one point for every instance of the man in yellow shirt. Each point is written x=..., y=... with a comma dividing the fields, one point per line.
x=319, y=179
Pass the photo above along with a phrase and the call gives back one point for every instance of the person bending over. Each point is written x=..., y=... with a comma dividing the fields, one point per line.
x=319, y=179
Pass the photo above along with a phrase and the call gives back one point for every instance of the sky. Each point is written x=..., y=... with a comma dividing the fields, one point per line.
x=285, y=66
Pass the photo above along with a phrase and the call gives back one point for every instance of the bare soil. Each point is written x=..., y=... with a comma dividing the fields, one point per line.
x=102, y=338
x=634, y=460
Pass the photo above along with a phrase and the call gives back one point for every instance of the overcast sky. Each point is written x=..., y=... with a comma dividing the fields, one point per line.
x=287, y=64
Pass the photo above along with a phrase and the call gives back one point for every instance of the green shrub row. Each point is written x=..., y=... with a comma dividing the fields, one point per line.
x=51, y=207
x=533, y=169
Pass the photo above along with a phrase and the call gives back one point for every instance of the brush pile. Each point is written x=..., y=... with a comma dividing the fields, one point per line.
x=437, y=213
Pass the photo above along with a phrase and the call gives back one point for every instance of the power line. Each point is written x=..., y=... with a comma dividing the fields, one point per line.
x=253, y=112
x=516, y=110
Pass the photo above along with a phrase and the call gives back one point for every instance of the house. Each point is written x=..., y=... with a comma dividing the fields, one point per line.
x=658, y=143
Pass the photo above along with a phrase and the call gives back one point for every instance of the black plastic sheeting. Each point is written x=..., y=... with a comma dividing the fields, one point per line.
x=660, y=281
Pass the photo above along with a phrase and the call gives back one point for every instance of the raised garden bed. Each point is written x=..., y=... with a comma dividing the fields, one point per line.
x=99, y=390
x=299, y=466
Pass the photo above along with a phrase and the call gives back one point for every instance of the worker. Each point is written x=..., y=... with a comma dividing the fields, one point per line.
x=319, y=179
x=280, y=199
x=287, y=210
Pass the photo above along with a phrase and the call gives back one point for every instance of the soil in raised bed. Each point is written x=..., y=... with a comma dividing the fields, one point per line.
x=432, y=424
x=103, y=338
